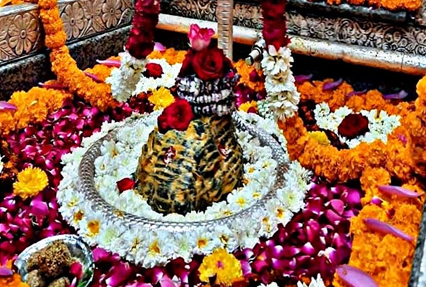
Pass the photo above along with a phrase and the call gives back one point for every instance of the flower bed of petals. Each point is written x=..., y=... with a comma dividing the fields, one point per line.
x=316, y=240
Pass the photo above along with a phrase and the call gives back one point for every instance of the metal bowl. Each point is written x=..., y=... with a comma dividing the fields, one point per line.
x=77, y=247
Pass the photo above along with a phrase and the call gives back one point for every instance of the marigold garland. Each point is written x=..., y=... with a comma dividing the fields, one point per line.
x=170, y=55
x=245, y=71
x=65, y=67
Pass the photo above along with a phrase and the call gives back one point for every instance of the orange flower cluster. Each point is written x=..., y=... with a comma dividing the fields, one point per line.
x=32, y=107
x=170, y=55
x=385, y=257
x=244, y=71
x=393, y=5
x=64, y=66
x=416, y=123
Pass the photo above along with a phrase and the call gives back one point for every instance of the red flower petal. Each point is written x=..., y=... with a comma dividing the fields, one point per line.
x=353, y=125
x=125, y=184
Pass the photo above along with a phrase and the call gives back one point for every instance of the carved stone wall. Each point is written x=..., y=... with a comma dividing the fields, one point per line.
x=21, y=32
x=401, y=34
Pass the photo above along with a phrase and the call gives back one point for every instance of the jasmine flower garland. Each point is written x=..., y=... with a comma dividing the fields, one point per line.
x=380, y=124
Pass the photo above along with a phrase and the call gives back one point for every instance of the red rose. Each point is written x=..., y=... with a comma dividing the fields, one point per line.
x=148, y=6
x=176, y=116
x=353, y=125
x=187, y=69
x=125, y=184
x=210, y=64
x=153, y=70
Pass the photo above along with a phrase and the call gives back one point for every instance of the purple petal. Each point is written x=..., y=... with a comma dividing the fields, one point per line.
x=380, y=226
x=399, y=191
x=110, y=63
x=52, y=86
x=159, y=47
x=356, y=93
x=6, y=106
x=5, y=272
x=303, y=78
x=397, y=96
x=332, y=85
x=93, y=77
x=377, y=201
x=355, y=277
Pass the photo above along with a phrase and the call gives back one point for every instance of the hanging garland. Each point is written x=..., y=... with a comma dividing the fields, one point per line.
x=282, y=95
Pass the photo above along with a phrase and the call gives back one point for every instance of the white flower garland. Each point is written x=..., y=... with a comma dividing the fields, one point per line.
x=150, y=248
x=282, y=95
x=124, y=79
x=167, y=79
x=380, y=124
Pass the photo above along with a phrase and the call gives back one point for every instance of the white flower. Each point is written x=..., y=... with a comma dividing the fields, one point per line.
x=124, y=79
x=314, y=282
x=160, y=248
x=291, y=197
x=273, y=284
x=167, y=79
x=204, y=242
x=226, y=237
x=183, y=246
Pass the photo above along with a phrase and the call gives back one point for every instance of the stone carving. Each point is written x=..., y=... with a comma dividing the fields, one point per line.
x=20, y=28
x=385, y=36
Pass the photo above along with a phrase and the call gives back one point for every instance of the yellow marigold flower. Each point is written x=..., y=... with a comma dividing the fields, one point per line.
x=247, y=106
x=225, y=266
x=30, y=182
x=320, y=137
x=161, y=98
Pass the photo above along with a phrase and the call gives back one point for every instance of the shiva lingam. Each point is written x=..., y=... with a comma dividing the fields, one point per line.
x=193, y=159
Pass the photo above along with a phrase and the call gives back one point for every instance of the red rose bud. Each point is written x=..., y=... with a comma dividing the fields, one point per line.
x=153, y=70
x=125, y=184
x=76, y=270
x=353, y=125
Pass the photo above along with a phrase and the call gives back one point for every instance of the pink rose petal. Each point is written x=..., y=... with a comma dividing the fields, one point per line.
x=397, y=96
x=93, y=77
x=118, y=274
x=332, y=85
x=355, y=277
x=399, y=191
x=76, y=270
x=382, y=227
x=110, y=63
x=159, y=47
x=303, y=78
x=5, y=106
x=5, y=272
x=56, y=86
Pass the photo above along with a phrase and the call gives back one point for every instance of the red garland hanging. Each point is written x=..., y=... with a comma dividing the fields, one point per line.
x=274, y=23
x=141, y=39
